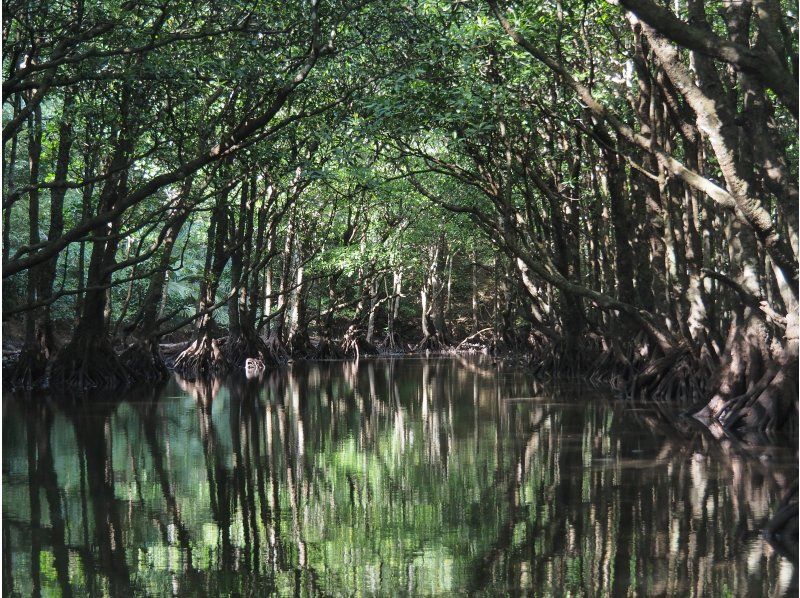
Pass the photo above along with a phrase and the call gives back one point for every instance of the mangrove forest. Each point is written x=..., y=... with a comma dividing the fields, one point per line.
x=400, y=297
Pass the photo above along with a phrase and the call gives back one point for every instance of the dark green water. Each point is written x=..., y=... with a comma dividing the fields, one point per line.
x=390, y=477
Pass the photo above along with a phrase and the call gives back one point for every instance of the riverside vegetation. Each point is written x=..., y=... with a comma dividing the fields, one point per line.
x=607, y=189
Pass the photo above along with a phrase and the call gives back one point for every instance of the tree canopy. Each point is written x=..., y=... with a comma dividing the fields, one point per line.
x=610, y=188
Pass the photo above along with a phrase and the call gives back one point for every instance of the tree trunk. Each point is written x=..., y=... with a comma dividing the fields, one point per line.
x=475, y=314
x=30, y=369
x=9, y=172
x=203, y=357
x=142, y=355
x=373, y=304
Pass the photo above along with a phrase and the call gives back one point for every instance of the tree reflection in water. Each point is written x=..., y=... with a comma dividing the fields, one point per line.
x=383, y=476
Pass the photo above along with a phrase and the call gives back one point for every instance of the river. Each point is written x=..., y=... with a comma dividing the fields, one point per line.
x=383, y=477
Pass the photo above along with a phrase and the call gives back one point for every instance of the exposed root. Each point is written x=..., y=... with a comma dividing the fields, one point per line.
x=392, y=344
x=512, y=341
x=677, y=376
x=497, y=345
x=170, y=352
x=143, y=360
x=300, y=346
x=201, y=359
x=632, y=369
x=551, y=358
x=10, y=359
x=88, y=363
x=611, y=366
x=431, y=342
x=276, y=351
x=466, y=342
x=748, y=397
x=237, y=350
x=326, y=349
x=355, y=345
x=769, y=405
x=28, y=370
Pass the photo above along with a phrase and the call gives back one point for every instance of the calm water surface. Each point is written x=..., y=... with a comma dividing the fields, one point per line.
x=390, y=477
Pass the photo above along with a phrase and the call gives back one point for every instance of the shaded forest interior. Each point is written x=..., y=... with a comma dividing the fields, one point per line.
x=610, y=190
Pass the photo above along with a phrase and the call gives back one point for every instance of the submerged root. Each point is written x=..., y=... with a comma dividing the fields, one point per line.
x=782, y=529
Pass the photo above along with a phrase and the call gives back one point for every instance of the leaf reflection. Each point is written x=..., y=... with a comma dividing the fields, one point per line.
x=382, y=477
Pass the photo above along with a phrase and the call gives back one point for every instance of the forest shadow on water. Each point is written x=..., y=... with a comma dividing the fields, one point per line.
x=383, y=476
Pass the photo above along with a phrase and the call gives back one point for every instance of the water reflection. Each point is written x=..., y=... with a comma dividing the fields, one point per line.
x=382, y=477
